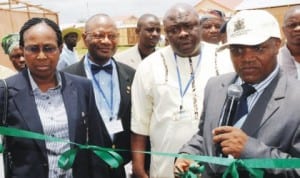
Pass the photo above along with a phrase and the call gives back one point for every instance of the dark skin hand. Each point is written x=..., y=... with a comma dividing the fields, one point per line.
x=231, y=139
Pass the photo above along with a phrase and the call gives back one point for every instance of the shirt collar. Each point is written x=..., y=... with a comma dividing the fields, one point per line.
x=91, y=62
x=35, y=86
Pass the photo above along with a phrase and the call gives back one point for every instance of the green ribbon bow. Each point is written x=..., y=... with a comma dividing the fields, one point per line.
x=66, y=160
x=253, y=166
x=232, y=170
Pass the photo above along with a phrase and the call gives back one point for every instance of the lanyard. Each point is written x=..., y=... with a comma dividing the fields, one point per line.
x=111, y=103
x=192, y=77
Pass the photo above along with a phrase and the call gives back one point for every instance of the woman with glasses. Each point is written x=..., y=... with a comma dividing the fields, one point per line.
x=53, y=103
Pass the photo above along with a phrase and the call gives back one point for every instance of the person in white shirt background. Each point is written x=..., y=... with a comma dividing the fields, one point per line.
x=148, y=32
x=289, y=53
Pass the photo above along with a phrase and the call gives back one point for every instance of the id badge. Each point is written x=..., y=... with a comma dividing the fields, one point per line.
x=182, y=115
x=114, y=126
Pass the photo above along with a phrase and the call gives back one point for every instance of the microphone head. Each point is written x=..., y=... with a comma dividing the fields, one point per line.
x=234, y=91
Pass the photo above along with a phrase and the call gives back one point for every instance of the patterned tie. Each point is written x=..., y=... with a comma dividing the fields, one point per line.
x=95, y=69
x=242, y=107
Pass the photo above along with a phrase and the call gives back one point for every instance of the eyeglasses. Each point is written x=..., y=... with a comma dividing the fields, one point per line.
x=187, y=27
x=35, y=49
x=103, y=35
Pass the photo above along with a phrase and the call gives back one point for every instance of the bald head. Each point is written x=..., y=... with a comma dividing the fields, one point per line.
x=291, y=27
x=179, y=12
x=145, y=18
x=99, y=19
x=291, y=11
x=182, y=27
x=101, y=38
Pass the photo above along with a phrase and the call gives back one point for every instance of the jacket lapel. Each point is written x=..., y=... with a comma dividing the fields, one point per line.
x=125, y=89
x=80, y=68
x=267, y=104
x=25, y=103
x=69, y=94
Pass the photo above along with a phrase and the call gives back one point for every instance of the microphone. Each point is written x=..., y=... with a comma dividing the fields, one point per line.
x=234, y=92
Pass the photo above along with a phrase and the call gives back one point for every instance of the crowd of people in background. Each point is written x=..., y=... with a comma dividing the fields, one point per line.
x=170, y=99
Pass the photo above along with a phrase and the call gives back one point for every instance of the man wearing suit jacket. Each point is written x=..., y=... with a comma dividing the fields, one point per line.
x=148, y=32
x=270, y=128
x=111, y=80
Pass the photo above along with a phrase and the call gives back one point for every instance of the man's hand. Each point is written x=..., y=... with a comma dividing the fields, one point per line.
x=231, y=139
x=181, y=165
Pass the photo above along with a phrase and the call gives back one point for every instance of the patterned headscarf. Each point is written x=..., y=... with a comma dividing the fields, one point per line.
x=9, y=42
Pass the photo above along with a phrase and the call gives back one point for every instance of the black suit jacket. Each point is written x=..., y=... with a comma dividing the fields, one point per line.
x=28, y=157
x=125, y=75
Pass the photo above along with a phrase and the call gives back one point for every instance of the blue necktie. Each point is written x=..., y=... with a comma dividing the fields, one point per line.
x=242, y=107
x=95, y=69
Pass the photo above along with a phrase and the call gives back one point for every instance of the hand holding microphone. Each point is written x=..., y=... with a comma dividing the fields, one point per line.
x=234, y=92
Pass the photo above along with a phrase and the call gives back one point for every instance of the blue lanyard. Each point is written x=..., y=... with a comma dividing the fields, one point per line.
x=111, y=105
x=182, y=93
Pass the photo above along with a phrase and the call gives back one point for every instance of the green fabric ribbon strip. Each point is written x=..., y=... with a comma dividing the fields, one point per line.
x=113, y=159
x=66, y=160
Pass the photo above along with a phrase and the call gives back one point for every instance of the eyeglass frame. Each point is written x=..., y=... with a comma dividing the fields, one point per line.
x=103, y=35
x=37, y=49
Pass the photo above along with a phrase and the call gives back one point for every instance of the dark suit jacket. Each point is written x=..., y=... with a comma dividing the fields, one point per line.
x=28, y=157
x=125, y=75
x=272, y=125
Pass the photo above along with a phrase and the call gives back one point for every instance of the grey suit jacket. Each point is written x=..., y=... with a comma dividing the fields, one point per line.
x=28, y=157
x=272, y=125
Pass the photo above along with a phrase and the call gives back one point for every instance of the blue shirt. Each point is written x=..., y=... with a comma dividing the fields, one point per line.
x=109, y=84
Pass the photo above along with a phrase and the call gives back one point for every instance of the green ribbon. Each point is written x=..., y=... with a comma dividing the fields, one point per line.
x=66, y=160
x=193, y=171
x=114, y=160
x=232, y=170
x=253, y=166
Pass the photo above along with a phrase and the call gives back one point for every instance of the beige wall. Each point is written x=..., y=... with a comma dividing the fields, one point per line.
x=11, y=22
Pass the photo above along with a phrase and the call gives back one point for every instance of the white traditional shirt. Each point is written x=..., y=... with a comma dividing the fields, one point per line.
x=288, y=63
